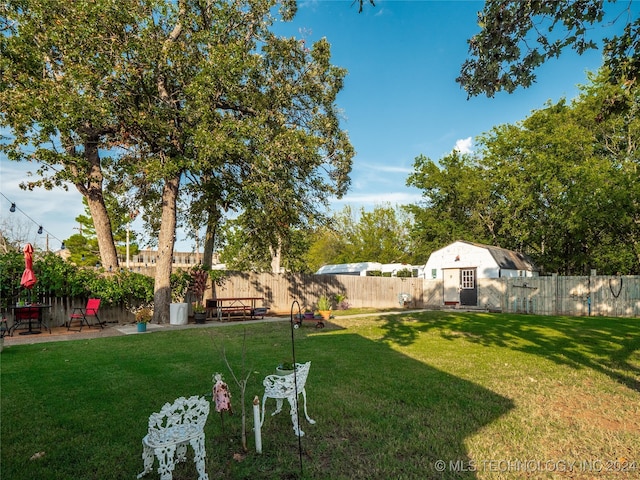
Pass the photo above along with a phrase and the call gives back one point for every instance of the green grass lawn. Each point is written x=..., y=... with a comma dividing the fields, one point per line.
x=412, y=396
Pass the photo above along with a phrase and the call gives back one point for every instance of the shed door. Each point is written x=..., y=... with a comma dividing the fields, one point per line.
x=451, y=285
x=468, y=287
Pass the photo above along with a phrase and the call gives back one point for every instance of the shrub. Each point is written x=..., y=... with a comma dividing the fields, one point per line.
x=59, y=278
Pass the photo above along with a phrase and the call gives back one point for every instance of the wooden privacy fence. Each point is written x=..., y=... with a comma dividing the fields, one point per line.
x=281, y=290
x=62, y=307
x=615, y=296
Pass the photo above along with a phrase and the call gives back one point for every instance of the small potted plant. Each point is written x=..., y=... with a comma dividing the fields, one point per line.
x=199, y=277
x=143, y=314
x=285, y=368
x=341, y=301
x=199, y=312
x=308, y=313
x=324, y=307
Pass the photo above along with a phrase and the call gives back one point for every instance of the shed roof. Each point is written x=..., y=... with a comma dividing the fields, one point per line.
x=507, y=259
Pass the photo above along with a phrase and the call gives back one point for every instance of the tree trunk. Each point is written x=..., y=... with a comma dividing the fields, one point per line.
x=210, y=237
x=92, y=191
x=102, y=224
x=166, y=241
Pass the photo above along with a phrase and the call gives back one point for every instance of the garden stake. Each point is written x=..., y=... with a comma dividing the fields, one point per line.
x=295, y=377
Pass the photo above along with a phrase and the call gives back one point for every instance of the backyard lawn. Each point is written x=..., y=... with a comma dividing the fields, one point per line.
x=411, y=396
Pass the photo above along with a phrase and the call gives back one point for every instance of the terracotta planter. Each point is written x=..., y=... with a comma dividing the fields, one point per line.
x=325, y=314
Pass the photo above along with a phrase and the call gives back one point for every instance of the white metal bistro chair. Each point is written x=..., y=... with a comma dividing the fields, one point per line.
x=170, y=430
x=283, y=387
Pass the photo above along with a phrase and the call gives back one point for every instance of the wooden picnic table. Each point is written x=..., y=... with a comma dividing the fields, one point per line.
x=245, y=306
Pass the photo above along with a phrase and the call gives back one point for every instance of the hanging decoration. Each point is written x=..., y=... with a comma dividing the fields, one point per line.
x=41, y=229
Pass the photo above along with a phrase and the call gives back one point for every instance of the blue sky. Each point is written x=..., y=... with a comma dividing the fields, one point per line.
x=400, y=98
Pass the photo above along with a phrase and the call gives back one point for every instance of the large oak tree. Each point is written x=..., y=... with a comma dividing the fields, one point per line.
x=185, y=91
x=56, y=98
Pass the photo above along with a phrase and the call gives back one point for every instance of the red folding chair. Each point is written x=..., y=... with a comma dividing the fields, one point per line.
x=83, y=314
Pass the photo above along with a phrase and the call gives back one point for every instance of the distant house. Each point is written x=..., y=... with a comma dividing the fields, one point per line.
x=461, y=263
x=147, y=258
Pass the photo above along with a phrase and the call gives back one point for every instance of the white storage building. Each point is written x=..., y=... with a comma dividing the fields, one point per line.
x=461, y=263
x=360, y=268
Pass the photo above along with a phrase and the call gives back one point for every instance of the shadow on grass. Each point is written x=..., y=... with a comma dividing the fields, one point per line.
x=379, y=414
x=600, y=343
x=393, y=417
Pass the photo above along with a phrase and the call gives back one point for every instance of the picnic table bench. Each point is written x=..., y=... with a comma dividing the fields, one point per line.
x=220, y=307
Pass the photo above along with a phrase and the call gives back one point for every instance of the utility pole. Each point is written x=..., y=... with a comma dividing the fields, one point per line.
x=128, y=225
x=198, y=256
x=132, y=217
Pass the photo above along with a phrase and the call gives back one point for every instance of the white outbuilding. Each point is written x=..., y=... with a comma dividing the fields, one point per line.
x=364, y=268
x=461, y=263
x=360, y=268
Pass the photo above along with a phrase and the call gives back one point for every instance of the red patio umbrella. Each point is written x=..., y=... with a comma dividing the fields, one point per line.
x=28, y=277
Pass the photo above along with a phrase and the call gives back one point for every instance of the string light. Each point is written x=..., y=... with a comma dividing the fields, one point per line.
x=41, y=229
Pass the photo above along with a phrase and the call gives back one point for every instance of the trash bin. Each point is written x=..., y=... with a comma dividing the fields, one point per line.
x=178, y=314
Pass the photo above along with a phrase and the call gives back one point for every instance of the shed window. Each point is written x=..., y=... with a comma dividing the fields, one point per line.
x=467, y=279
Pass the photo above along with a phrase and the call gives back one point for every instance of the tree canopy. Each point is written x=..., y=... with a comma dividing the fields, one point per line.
x=517, y=37
x=58, y=60
x=562, y=185
x=380, y=235
x=180, y=94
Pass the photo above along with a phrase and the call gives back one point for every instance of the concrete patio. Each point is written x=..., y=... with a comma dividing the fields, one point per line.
x=59, y=334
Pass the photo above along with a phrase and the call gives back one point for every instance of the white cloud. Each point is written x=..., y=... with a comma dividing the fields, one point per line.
x=464, y=145
x=371, y=200
x=390, y=168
